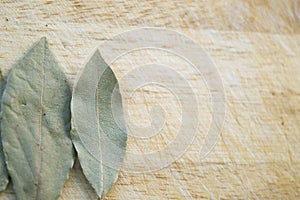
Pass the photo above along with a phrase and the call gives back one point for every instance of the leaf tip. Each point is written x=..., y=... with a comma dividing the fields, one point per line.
x=97, y=58
x=97, y=54
x=43, y=41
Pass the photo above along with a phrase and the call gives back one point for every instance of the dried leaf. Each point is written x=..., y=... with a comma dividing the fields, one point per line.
x=36, y=125
x=98, y=131
x=3, y=170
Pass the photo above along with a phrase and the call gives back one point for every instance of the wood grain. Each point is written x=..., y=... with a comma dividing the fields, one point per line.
x=255, y=46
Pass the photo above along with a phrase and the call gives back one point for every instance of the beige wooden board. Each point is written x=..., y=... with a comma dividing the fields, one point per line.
x=256, y=48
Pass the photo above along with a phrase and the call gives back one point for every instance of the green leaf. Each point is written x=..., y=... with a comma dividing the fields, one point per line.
x=36, y=125
x=3, y=169
x=98, y=132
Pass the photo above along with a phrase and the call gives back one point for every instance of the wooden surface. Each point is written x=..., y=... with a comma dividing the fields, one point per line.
x=256, y=48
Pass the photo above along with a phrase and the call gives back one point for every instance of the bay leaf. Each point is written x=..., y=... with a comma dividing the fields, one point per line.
x=3, y=170
x=98, y=132
x=36, y=125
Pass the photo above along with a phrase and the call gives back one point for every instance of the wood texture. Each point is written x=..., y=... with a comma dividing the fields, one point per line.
x=255, y=46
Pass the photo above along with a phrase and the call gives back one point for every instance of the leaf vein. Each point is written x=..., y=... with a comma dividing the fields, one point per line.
x=38, y=194
x=99, y=143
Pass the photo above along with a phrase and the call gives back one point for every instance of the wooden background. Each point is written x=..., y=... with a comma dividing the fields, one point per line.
x=255, y=45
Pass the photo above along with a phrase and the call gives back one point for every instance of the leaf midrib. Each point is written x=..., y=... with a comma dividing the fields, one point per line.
x=99, y=143
x=38, y=192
